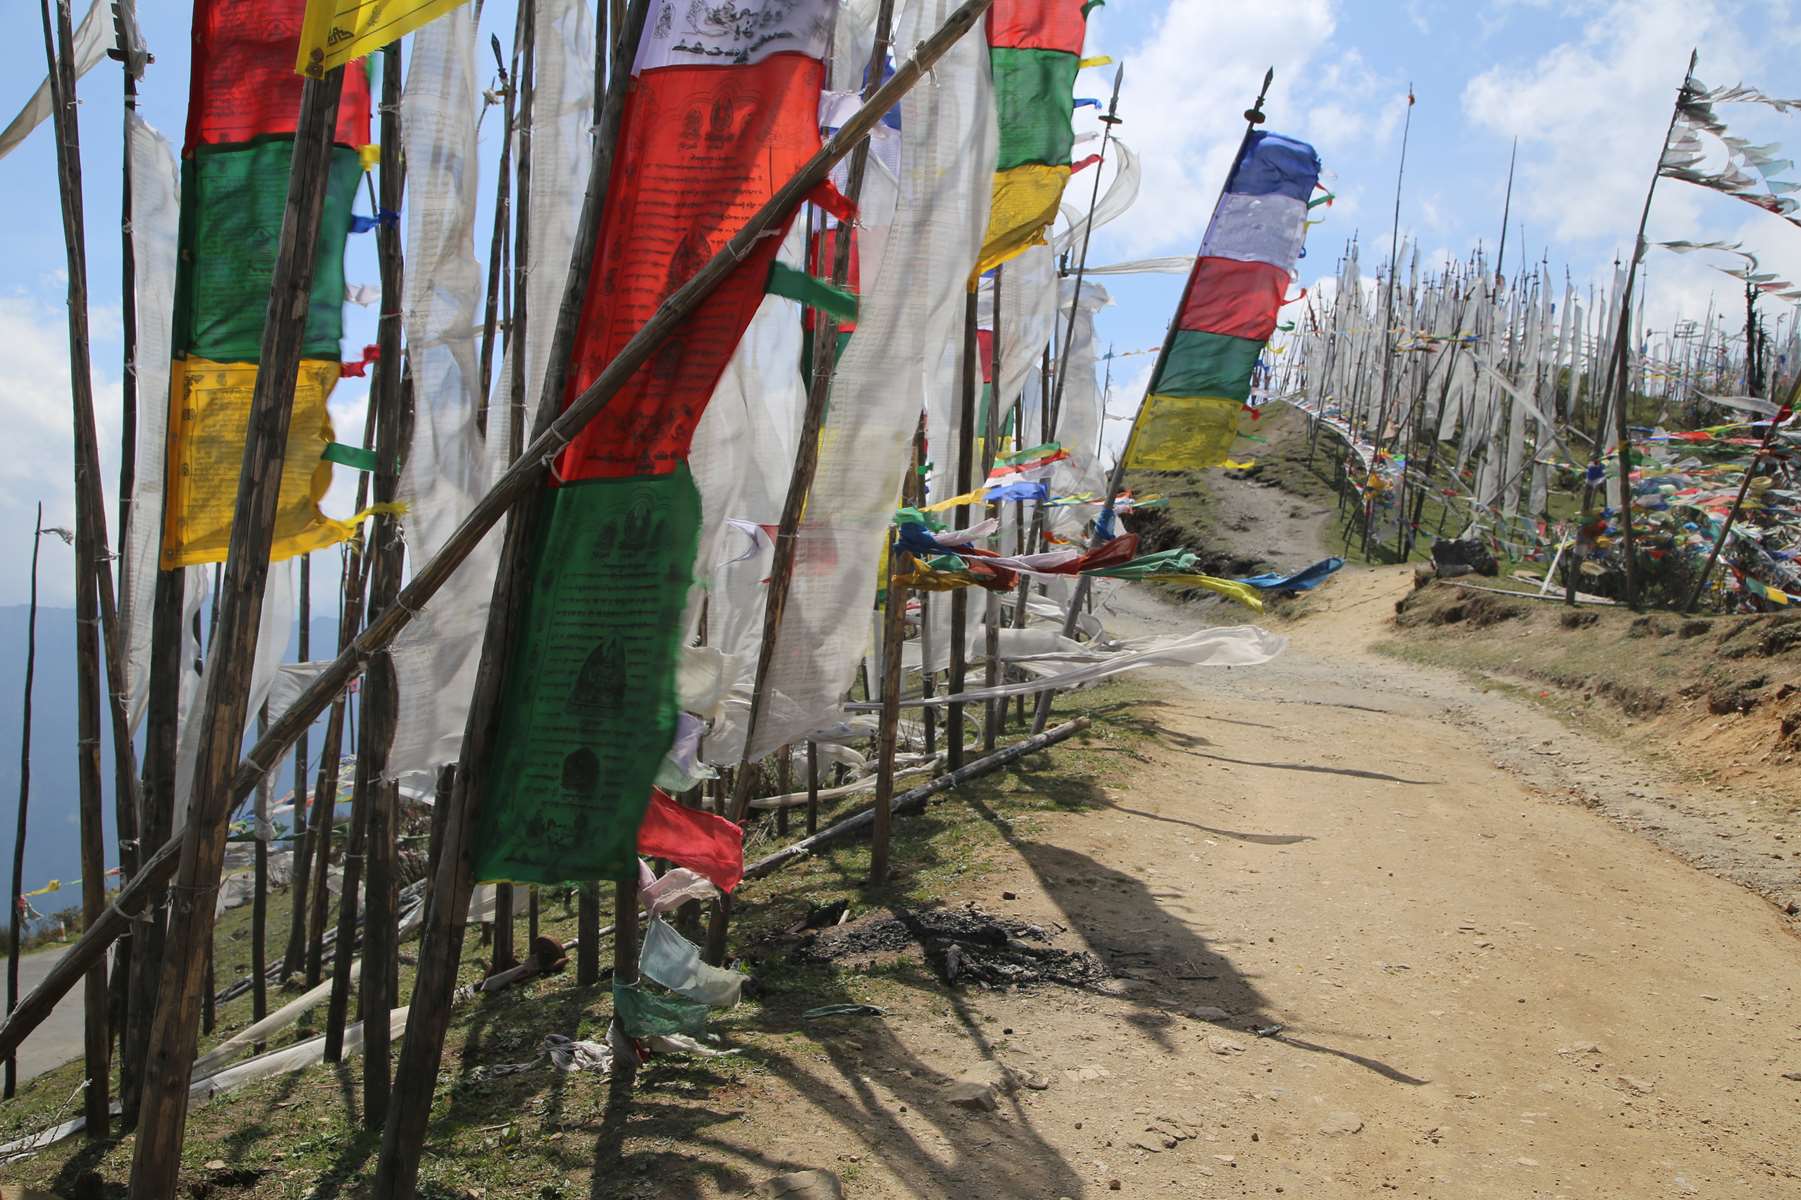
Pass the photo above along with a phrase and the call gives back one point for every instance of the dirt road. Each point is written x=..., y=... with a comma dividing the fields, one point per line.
x=1472, y=986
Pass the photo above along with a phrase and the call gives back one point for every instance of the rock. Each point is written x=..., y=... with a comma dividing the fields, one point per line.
x=1794, y=1075
x=1206, y=1012
x=1113, y=1185
x=1226, y=1046
x=1178, y=1130
x=1643, y=1087
x=802, y=1185
x=977, y=1097
x=1341, y=1123
x=1008, y=896
x=1081, y=1075
x=1579, y=1048
x=1032, y=1080
x=217, y=1164
x=1152, y=1143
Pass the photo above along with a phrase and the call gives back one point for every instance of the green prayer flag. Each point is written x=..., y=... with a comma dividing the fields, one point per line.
x=588, y=706
x=354, y=457
x=644, y=1014
x=1033, y=100
x=232, y=201
x=794, y=284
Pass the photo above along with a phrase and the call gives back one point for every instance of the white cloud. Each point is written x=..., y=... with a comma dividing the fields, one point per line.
x=1186, y=84
x=38, y=415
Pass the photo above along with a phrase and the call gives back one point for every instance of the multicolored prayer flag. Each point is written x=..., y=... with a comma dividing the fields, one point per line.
x=1035, y=49
x=243, y=109
x=1228, y=311
x=720, y=114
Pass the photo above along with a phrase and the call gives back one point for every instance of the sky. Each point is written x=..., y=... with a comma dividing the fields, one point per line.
x=1585, y=85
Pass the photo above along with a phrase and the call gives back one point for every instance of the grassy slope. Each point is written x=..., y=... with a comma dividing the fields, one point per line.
x=538, y=1133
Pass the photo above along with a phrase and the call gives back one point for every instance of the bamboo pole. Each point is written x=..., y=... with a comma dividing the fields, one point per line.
x=514, y=484
x=17, y=894
x=90, y=558
x=162, y=1117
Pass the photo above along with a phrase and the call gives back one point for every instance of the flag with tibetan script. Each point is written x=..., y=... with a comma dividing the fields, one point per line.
x=1203, y=375
x=1035, y=49
x=336, y=31
x=722, y=111
x=243, y=107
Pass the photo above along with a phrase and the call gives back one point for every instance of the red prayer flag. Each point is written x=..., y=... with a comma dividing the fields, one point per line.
x=701, y=148
x=242, y=83
x=1239, y=299
x=690, y=838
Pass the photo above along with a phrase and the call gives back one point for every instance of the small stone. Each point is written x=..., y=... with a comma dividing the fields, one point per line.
x=1207, y=1012
x=1113, y=1185
x=1341, y=1122
x=1008, y=896
x=802, y=1185
x=1081, y=1075
x=977, y=1097
x=1579, y=1048
x=1032, y=1080
x=1225, y=1046
x=1150, y=1142
x=1684, y=1186
x=1643, y=1087
x=1526, y=1162
x=1794, y=1075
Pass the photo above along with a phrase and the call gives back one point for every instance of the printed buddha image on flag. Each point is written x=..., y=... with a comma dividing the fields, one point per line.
x=1228, y=312
x=243, y=110
x=720, y=115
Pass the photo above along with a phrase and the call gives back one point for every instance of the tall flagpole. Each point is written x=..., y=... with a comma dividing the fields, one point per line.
x=1253, y=117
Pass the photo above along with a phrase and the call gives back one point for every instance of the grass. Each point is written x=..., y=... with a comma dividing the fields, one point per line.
x=541, y=1134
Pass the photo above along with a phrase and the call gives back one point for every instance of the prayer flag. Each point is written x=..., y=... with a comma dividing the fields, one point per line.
x=1228, y=310
x=336, y=31
x=243, y=109
x=1035, y=49
x=720, y=114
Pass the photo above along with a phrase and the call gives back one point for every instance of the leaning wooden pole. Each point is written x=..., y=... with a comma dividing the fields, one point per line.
x=17, y=905
x=1744, y=489
x=517, y=482
x=90, y=556
x=429, y=1015
x=163, y=1115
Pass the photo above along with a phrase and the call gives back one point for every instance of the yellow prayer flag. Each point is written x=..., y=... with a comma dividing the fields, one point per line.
x=333, y=32
x=1024, y=205
x=1183, y=433
x=210, y=411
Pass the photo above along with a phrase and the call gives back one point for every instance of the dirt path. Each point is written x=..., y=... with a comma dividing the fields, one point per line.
x=1482, y=989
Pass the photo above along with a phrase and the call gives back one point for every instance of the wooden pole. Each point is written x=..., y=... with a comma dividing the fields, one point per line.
x=1253, y=117
x=497, y=243
x=127, y=798
x=966, y=453
x=504, y=957
x=516, y=482
x=382, y=713
x=992, y=710
x=806, y=460
x=18, y=877
x=894, y=632
x=90, y=559
x=1621, y=386
x=156, y=1162
x=259, y=900
x=305, y=836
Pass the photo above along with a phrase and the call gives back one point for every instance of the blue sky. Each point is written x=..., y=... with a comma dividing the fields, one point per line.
x=1585, y=84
